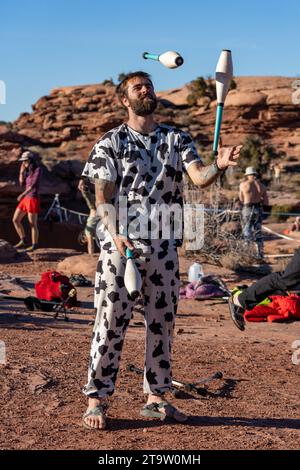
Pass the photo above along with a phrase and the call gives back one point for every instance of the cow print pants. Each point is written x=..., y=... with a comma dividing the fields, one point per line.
x=160, y=274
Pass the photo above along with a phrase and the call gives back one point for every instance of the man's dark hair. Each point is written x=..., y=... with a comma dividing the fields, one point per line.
x=123, y=85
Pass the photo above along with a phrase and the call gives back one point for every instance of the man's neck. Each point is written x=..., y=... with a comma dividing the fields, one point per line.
x=142, y=124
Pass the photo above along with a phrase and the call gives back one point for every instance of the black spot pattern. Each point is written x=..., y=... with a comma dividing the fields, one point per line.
x=149, y=173
x=153, y=172
x=158, y=351
x=151, y=377
x=102, y=349
x=156, y=328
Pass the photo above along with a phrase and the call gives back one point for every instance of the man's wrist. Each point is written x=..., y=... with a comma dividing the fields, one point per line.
x=218, y=169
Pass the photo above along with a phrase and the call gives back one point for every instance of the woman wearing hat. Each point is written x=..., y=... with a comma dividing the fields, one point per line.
x=29, y=203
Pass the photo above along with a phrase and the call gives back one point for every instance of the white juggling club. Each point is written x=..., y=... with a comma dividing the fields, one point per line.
x=132, y=276
x=170, y=59
x=224, y=73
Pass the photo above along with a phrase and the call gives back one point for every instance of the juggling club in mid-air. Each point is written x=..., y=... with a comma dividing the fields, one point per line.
x=170, y=59
x=224, y=72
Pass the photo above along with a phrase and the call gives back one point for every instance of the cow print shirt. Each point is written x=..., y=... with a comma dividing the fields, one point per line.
x=147, y=169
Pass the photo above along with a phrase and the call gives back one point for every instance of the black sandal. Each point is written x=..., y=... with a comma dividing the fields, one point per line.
x=153, y=410
x=237, y=314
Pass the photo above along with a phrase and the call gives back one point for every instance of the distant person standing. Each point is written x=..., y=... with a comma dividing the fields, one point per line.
x=93, y=219
x=277, y=173
x=253, y=196
x=29, y=202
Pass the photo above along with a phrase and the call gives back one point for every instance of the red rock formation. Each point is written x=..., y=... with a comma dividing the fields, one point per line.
x=64, y=125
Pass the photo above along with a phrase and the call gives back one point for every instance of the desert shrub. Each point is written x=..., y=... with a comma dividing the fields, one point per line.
x=192, y=99
x=108, y=81
x=280, y=213
x=255, y=153
x=201, y=87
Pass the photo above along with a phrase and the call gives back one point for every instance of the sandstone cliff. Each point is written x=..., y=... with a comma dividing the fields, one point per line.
x=64, y=125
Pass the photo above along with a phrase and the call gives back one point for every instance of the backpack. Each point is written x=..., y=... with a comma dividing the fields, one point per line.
x=55, y=287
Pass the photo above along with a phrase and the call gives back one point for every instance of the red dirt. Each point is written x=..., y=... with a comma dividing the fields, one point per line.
x=255, y=406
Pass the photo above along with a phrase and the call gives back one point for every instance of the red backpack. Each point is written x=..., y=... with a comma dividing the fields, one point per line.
x=56, y=287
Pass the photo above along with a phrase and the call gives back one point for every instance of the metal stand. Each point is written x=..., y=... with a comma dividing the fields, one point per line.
x=178, y=386
x=55, y=206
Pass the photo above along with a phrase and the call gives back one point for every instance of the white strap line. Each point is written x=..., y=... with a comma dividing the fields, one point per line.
x=267, y=229
x=74, y=212
x=280, y=256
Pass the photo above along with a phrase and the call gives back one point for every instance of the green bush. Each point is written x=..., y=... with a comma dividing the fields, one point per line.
x=282, y=209
x=108, y=81
x=192, y=99
x=255, y=153
x=201, y=87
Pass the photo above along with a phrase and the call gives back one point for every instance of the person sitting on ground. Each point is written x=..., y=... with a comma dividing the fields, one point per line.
x=296, y=225
x=93, y=219
x=279, y=283
x=29, y=201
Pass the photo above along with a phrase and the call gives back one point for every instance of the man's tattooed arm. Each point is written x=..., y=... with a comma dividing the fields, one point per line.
x=203, y=175
x=105, y=191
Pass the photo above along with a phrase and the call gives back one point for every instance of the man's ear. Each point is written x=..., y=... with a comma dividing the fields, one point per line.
x=125, y=101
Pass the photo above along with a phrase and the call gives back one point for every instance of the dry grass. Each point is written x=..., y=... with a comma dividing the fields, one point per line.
x=223, y=243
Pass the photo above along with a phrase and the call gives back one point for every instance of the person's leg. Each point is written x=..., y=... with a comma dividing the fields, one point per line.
x=257, y=230
x=33, y=222
x=17, y=221
x=161, y=293
x=113, y=316
x=247, y=224
x=271, y=284
x=90, y=243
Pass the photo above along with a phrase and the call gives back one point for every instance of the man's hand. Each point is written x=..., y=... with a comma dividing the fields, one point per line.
x=227, y=156
x=122, y=243
x=81, y=185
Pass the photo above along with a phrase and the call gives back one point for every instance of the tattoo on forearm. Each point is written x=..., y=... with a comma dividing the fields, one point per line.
x=104, y=190
x=209, y=174
x=101, y=185
x=105, y=209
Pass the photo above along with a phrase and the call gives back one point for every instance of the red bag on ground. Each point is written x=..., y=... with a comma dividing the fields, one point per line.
x=56, y=287
x=282, y=308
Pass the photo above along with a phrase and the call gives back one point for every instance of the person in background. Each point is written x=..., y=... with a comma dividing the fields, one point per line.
x=277, y=173
x=278, y=283
x=29, y=201
x=93, y=219
x=296, y=225
x=253, y=196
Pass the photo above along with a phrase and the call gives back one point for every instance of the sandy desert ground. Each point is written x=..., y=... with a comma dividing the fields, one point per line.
x=255, y=405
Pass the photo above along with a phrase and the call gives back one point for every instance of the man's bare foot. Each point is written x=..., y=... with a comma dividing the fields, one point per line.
x=94, y=417
x=154, y=398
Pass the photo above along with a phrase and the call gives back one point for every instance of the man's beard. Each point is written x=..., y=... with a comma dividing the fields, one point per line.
x=144, y=106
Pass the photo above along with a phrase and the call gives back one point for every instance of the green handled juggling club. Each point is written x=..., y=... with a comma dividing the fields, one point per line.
x=132, y=276
x=170, y=59
x=224, y=72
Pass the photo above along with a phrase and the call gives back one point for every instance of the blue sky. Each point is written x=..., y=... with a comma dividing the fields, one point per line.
x=49, y=43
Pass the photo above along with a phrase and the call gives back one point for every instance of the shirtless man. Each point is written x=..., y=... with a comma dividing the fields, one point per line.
x=253, y=195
